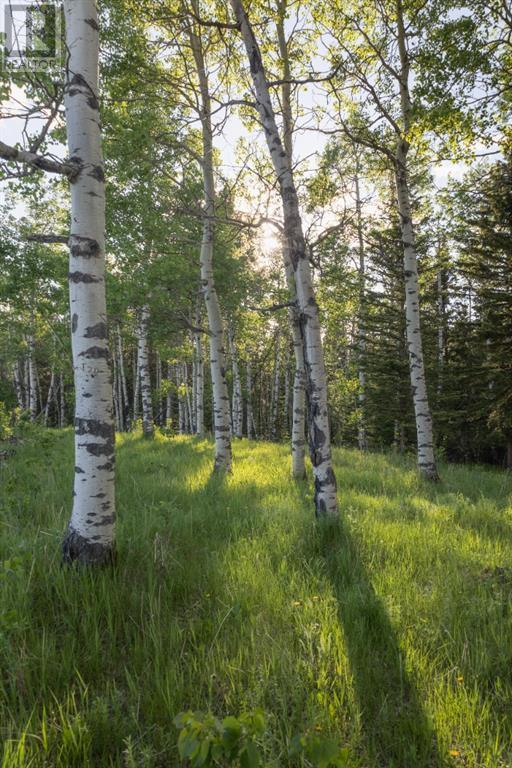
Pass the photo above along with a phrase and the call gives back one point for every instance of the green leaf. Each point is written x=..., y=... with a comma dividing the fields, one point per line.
x=250, y=756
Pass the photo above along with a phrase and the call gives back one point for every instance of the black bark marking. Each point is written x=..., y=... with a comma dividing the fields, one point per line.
x=255, y=61
x=99, y=449
x=108, y=466
x=92, y=23
x=95, y=353
x=79, y=80
x=74, y=322
x=105, y=520
x=98, y=331
x=79, y=471
x=94, y=427
x=97, y=173
x=83, y=277
x=84, y=247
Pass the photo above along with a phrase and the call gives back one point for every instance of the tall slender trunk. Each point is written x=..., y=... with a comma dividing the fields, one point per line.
x=221, y=410
x=286, y=405
x=181, y=404
x=189, y=411
x=90, y=536
x=122, y=379
x=298, y=439
x=276, y=388
x=119, y=389
x=18, y=385
x=199, y=379
x=49, y=399
x=115, y=388
x=319, y=431
x=362, y=439
x=26, y=379
x=136, y=387
x=237, y=408
x=168, y=399
x=159, y=408
x=248, y=394
x=144, y=373
x=32, y=378
x=62, y=402
x=440, y=331
x=423, y=415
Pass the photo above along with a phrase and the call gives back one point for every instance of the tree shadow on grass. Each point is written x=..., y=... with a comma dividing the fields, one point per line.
x=396, y=728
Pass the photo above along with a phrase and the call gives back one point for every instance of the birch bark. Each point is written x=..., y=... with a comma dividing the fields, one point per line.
x=237, y=409
x=168, y=399
x=90, y=536
x=221, y=410
x=51, y=390
x=18, y=385
x=319, y=431
x=144, y=373
x=361, y=342
x=62, y=402
x=199, y=376
x=298, y=440
x=249, y=411
x=32, y=378
x=423, y=415
x=276, y=388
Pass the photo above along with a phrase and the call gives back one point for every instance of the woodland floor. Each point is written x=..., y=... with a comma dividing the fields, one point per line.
x=391, y=631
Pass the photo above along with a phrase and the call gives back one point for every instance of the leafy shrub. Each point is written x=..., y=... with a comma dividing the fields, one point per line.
x=206, y=742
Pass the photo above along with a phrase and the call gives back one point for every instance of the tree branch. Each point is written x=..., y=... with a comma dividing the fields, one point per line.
x=42, y=162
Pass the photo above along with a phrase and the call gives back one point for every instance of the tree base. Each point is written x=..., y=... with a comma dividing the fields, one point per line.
x=80, y=551
x=430, y=473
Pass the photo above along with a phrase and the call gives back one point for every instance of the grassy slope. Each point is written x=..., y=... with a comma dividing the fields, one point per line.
x=392, y=631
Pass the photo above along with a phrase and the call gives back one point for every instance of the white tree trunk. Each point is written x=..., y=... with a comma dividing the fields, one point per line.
x=319, y=431
x=249, y=412
x=122, y=378
x=32, y=379
x=423, y=415
x=144, y=373
x=276, y=387
x=199, y=380
x=237, y=408
x=159, y=409
x=286, y=404
x=188, y=402
x=51, y=390
x=181, y=403
x=221, y=410
x=441, y=321
x=90, y=537
x=168, y=399
x=298, y=440
x=362, y=439
x=62, y=402
x=426, y=459
x=136, y=387
x=18, y=385
x=115, y=388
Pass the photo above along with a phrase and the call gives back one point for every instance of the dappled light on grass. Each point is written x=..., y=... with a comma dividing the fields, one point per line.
x=389, y=631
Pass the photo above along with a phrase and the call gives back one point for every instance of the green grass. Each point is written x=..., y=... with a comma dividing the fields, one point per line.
x=391, y=631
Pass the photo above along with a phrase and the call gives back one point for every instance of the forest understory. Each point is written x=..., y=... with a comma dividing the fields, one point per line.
x=387, y=629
